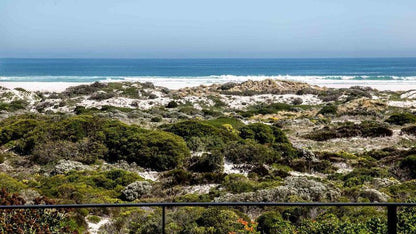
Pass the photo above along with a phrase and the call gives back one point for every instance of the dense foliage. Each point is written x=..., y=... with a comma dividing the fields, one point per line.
x=33, y=221
x=87, y=138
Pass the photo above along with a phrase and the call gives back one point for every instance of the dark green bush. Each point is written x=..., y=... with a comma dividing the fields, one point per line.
x=235, y=183
x=208, y=163
x=365, y=129
x=220, y=122
x=410, y=163
x=86, y=138
x=17, y=129
x=191, y=129
x=401, y=118
x=263, y=133
x=329, y=109
x=265, y=109
x=85, y=151
x=250, y=152
x=151, y=149
x=222, y=220
x=172, y=104
x=35, y=221
x=411, y=130
x=272, y=222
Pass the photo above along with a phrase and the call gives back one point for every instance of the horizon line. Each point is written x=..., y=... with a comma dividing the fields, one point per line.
x=191, y=58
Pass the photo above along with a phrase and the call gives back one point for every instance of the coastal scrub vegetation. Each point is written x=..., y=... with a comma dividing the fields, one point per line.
x=136, y=142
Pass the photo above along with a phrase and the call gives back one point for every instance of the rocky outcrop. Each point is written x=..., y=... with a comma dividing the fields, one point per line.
x=301, y=187
x=136, y=190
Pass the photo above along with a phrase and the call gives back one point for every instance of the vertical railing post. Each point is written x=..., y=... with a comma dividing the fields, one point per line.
x=163, y=219
x=392, y=219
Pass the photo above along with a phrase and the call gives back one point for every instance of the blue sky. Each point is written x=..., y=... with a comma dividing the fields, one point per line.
x=214, y=28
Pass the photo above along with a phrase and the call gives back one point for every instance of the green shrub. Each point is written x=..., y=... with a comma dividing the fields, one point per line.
x=272, y=222
x=221, y=220
x=364, y=129
x=220, y=122
x=192, y=129
x=14, y=105
x=263, y=133
x=401, y=118
x=86, y=138
x=236, y=183
x=172, y=104
x=411, y=130
x=11, y=184
x=17, y=129
x=189, y=110
x=208, y=163
x=183, y=177
x=410, y=163
x=265, y=109
x=249, y=152
x=85, y=151
x=152, y=149
x=329, y=109
x=156, y=119
x=94, y=219
x=360, y=175
x=88, y=186
x=35, y=221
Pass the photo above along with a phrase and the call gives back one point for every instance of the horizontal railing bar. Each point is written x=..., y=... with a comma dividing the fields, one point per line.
x=204, y=204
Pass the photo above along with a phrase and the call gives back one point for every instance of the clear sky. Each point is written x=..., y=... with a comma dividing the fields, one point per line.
x=213, y=28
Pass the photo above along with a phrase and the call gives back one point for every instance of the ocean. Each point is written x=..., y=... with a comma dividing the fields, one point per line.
x=191, y=72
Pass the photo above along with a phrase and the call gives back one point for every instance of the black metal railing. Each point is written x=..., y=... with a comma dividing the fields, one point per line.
x=391, y=207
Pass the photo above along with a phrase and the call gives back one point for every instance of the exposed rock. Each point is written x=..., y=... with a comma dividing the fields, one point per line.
x=65, y=166
x=302, y=187
x=136, y=189
x=374, y=195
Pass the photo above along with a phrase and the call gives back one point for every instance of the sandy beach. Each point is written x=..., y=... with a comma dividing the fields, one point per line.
x=40, y=86
x=61, y=86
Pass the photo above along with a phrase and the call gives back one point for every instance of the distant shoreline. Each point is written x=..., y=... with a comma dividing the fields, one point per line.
x=61, y=86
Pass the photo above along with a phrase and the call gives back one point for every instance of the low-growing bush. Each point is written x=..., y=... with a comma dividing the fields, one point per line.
x=191, y=129
x=151, y=149
x=364, y=129
x=329, y=109
x=264, y=109
x=37, y=220
x=263, y=133
x=172, y=104
x=250, y=152
x=208, y=163
x=401, y=118
x=236, y=183
x=272, y=222
x=410, y=163
x=411, y=130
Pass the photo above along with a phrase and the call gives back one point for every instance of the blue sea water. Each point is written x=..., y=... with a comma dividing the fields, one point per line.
x=207, y=71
